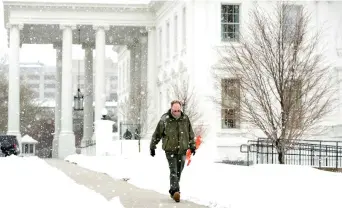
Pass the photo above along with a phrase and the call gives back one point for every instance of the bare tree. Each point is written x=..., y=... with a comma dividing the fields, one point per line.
x=32, y=115
x=276, y=78
x=187, y=96
x=135, y=110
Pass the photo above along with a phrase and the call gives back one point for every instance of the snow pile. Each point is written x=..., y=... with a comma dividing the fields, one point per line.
x=221, y=185
x=31, y=182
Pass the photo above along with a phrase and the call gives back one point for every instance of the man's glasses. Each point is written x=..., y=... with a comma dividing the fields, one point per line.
x=176, y=111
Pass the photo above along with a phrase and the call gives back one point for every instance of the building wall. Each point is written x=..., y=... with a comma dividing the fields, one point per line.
x=196, y=55
x=172, y=26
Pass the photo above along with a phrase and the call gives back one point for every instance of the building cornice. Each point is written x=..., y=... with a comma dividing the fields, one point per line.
x=77, y=6
x=104, y=13
x=166, y=8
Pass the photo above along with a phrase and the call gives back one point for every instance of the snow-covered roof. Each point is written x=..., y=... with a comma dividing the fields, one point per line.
x=28, y=140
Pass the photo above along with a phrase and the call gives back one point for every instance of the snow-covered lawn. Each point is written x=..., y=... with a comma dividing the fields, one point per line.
x=31, y=182
x=220, y=185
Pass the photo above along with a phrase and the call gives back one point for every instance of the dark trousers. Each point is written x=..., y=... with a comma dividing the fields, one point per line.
x=176, y=165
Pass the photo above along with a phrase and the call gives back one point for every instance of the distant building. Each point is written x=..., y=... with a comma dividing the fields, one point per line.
x=42, y=79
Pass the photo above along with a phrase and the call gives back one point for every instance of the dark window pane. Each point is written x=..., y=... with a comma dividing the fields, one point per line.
x=236, y=9
x=230, y=8
x=225, y=18
x=231, y=28
x=236, y=18
x=230, y=18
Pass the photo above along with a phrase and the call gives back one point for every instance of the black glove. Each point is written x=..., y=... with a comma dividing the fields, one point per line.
x=193, y=151
x=152, y=152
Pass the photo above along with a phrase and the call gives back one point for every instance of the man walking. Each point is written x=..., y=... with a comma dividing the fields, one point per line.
x=175, y=130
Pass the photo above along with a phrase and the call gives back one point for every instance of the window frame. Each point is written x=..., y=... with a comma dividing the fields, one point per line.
x=235, y=39
x=236, y=120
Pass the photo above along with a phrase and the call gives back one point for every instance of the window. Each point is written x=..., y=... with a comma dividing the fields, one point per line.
x=168, y=40
x=33, y=77
x=124, y=73
x=25, y=148
x=127, y=70
x=50, y=85
x=31, y=149
x=122, y=76
x=176, y=34
x=230, y=103
x=49, y=94
x=49, y=77
x=160, y=45
x=230, y=22
x=33, y=86
x=184, y=27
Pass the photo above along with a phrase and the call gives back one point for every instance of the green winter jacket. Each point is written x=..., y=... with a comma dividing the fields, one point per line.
x=177, y=134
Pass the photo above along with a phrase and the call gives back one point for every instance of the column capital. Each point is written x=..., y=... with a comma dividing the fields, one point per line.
x=99, y=26
x=90, y=45
x=20, y=26
x=150, y=28
x=64, y=26
x=57, y=45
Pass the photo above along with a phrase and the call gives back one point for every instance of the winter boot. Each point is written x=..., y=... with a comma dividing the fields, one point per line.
x=176, y=196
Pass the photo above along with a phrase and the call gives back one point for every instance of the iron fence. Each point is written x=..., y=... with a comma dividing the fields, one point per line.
x=315, y=153
x=87, y=143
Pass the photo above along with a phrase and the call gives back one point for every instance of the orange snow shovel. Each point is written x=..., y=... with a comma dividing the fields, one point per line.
x=188, y=153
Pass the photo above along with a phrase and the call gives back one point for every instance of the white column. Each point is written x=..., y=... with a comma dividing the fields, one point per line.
x=88, y=92
x=100, y=96
x=58, y=47
x=66, y=144
x=14, y=83
x=152, y=76
x=132, y=70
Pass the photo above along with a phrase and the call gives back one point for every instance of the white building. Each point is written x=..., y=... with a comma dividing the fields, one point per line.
x=179, y=38
x=186, y=34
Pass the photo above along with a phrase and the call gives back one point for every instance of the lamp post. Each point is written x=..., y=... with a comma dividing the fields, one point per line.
x=104, y=113
x=78, y=100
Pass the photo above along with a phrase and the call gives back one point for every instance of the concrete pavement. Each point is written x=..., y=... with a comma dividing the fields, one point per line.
x=130, y=196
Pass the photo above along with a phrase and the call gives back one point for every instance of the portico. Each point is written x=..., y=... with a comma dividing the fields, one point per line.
x=92, y=25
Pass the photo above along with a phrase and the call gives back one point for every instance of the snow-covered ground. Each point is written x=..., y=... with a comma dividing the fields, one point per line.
x=220, y=185
x=31, y=182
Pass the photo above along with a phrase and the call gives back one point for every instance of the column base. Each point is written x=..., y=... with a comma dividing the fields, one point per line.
x=55, y=143
x=66, y=144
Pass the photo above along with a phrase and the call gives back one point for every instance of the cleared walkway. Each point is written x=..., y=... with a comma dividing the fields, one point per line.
x=130, y=196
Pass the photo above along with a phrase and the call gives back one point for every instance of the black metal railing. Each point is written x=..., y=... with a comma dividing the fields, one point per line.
x=315, y=153
x=87, y=143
